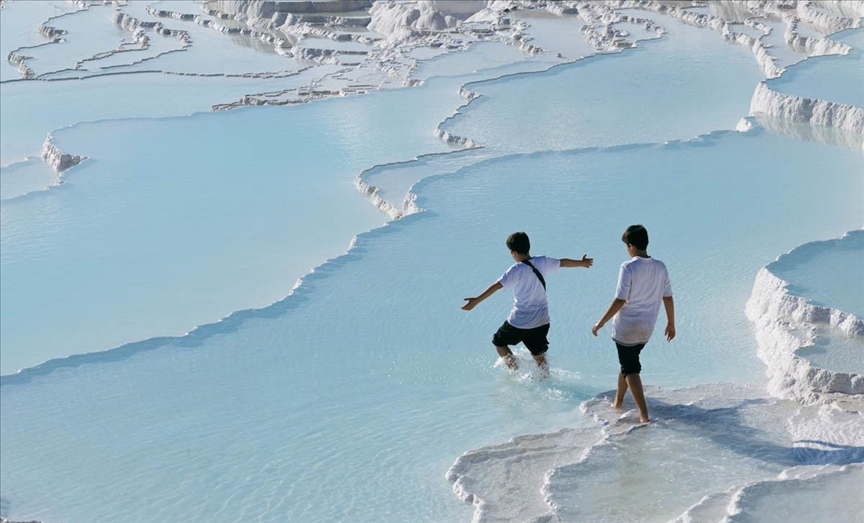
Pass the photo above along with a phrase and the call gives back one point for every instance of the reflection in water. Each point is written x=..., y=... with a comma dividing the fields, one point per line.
x=811, y=133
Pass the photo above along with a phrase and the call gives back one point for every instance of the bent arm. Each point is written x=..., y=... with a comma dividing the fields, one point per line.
x=669, y=305
x=613, y=309
x=584, y=262
x=472, y=302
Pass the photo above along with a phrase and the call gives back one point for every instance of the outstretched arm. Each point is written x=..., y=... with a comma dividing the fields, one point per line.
x=669, y=305
x=613, y=309
x=584, y=262
x=472, y=302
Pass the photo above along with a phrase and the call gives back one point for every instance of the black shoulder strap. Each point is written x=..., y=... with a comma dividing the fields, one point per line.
x=533, y=268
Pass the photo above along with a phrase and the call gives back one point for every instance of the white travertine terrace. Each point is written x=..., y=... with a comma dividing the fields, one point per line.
x=715, y=23
x=242, y=9
x=791, y=13
x=456, y=140
x=843, y=15
x=812, y=46
x=20, y=61
x=455, y=25
x=786, y=323
x=374, y=194
x=735, y=504
x=405, y=19
x=283, y=30
x=17, y=58
x=824, y=442
x=137, y=27
x=809, y=110
x=57, y=159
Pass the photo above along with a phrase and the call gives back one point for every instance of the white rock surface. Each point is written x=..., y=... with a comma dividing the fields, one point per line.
x=57, y=159
x=810, y=110
x=786, y=323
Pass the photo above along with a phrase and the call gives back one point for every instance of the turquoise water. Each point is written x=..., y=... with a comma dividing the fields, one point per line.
x=835, y=350
x=617, y=99
x=349, y=399
x=812, y=273
x=417, y=368
x=481, y=56
x=31, y=110
x=213, y=52
x=89, y=31
x=26, y=176
x=807, y=79
x=554, y=34
x=156, y=259
x=92, y=33
x=784, y=56
x=19, y=27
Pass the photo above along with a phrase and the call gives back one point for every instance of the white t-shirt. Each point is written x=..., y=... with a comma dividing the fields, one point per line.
x=643, y=283
x=530, y=308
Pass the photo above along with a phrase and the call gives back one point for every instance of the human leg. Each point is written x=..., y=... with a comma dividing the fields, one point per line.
x=619, y=394
x=507, y=335
x=542, y=364
x=635, y=383
x=507, y=355
x=628, y=377
x=536, y=342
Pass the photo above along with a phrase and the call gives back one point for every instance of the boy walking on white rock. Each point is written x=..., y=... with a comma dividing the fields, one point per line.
x=528, y=321
x=643, y=283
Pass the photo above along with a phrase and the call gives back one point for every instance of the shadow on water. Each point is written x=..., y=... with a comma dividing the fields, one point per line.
x=837, y=455
x=727, y=428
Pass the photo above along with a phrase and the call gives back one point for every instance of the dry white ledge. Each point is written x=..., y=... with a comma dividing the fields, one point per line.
x=374, y=194
x=57, y=159
x=812, y=46
x=810, y=110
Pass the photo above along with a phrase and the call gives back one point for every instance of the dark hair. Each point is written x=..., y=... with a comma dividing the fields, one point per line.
x=637, y=236
x=518, y=242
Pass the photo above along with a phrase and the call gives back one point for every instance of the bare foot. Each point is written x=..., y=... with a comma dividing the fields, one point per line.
x=643, y=419
x=617, y=405
x=544, y=372
x=511, y=362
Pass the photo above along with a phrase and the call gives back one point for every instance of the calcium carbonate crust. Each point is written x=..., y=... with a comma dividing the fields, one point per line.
x=523, y=479
x=780, y=317
x=807, y=110
x=18, y=58
x=57, y=159
x=736, y=504
x=786, y=323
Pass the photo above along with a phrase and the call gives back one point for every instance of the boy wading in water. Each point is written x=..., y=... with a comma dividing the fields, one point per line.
x=643, y=283
x=529, y=320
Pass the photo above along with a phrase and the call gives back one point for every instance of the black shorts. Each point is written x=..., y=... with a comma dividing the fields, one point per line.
x=533, y=339
x=628, y=357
